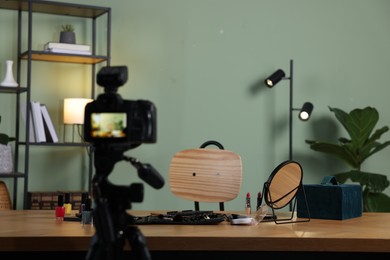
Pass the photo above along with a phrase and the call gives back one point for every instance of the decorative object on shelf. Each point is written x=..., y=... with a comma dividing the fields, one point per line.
x=74, y=112
x=5, y=199
x=363, y=143
x=6, y=160
x=9, y=80
x=67, y=35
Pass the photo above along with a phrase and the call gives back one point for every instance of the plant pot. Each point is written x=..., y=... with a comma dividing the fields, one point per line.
x=68, y=37
x=6, y=160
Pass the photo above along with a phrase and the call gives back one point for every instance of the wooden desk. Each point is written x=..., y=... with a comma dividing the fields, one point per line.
x=37, y=230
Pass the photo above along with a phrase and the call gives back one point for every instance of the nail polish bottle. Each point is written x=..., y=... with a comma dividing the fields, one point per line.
x=60, y=209
x=84, y=197
x=86, y=215
x=67, y=204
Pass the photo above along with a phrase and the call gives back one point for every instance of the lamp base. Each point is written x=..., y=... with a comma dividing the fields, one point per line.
x=73, y=133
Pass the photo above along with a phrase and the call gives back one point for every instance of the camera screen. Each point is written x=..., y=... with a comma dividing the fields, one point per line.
x=108, y=125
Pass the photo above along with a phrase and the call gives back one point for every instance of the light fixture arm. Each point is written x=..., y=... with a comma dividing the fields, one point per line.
x=290, y=110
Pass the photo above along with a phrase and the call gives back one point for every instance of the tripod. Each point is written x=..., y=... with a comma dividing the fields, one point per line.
x=113, y=225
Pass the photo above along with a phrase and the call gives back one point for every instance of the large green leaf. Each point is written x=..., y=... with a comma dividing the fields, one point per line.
x=4, y=139
x=342, y=152
x=373, y=182
x=359, y=124
x=376, y=202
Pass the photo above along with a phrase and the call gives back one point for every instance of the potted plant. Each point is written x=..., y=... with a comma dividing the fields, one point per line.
x=4, y=138
x=67, y=35
x=362, y=143
x=6, y=163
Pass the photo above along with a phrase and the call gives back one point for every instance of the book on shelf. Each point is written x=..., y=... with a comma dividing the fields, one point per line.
x=38, y=122
x=31, y=135
x=55, y=50
x=50, y=132
x=66, y=46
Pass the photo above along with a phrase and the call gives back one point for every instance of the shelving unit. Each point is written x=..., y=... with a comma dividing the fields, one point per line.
x=30, y=8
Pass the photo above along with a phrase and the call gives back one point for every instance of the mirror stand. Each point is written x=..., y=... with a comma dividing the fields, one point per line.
x=286, y=220
x=281, y=189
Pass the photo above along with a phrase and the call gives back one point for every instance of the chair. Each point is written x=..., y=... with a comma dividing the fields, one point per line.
x=206, y=175
x=5, y=199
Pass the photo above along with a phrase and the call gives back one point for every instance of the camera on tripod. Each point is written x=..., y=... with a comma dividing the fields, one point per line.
x=110, y=119
x=114, y=125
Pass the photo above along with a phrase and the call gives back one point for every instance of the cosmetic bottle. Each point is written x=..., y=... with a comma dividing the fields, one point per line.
x=248, y=204
x=84, y=197
x=60, y=209
x=67, y=204
x=259, y=200
x=86, y=215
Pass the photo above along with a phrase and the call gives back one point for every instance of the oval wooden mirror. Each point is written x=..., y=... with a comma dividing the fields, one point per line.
x=283, y=184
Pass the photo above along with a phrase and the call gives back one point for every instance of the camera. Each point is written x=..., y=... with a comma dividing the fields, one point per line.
x=111, y=119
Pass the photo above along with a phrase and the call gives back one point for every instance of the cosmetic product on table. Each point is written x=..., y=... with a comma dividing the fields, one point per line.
x=248, y=204
x=86, y=215
x=67, y=204
x=60, y=209
x=259, y=200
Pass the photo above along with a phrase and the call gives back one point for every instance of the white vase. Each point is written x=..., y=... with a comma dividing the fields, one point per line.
x=6, y=160
x=9, y=80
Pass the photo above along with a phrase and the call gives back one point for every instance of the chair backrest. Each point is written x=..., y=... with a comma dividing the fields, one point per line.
x=206, y=175
x=5, y=200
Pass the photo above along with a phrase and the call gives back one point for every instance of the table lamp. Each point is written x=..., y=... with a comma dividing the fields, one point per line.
x=74, y=112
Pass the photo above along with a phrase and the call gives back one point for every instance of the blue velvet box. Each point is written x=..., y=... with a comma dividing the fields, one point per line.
x=330, y=200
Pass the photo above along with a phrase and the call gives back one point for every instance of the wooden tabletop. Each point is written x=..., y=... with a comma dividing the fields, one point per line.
x=36, y=230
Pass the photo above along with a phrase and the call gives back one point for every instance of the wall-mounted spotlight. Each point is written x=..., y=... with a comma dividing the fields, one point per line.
x=304, y=112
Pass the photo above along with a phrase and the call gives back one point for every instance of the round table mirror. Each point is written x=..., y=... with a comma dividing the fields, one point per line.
x=283, y=184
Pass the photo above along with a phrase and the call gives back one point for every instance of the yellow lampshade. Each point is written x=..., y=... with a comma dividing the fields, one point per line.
x=74, y=110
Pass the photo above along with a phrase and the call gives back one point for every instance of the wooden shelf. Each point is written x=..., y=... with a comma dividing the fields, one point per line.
x=11, y=175
x=61, y=57
x=12, y=90
x=59, y=144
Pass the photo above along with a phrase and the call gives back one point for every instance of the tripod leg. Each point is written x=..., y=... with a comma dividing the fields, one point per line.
x=93, y=252
x=138, y=243
x=104, y=244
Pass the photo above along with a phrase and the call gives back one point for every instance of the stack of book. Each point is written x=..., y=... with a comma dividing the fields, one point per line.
x=57, y=47
x=48, y=199
x=41, y=126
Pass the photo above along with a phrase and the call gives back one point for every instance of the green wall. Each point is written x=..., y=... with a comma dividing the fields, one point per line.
x=202, y=63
